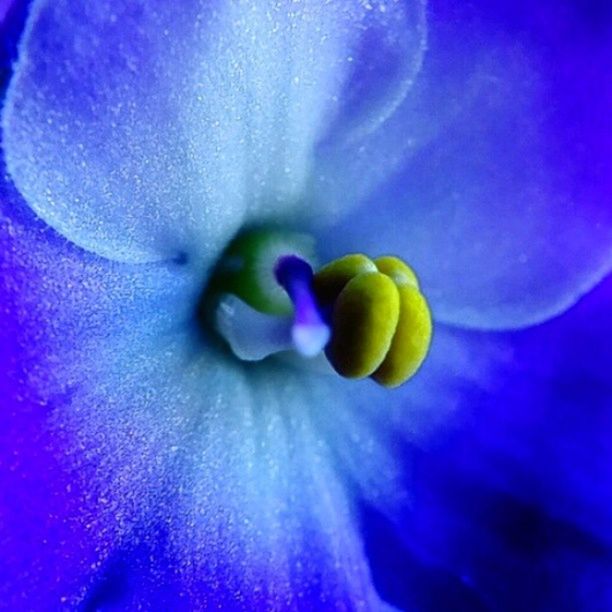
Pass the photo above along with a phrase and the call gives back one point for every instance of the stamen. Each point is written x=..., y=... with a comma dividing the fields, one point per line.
x=309, y=331
x=381, y=323
x=369, y=315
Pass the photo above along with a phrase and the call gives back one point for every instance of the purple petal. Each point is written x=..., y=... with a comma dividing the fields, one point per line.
x=65, y=503
x=525, y=479
x=502, y=201
x=511, y=490
x=143, y=437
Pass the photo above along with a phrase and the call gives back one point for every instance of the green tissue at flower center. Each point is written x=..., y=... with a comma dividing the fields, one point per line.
x=246, y=268
x=368, y=315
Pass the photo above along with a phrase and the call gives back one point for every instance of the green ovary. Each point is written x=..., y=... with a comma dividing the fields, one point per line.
x=246, y=268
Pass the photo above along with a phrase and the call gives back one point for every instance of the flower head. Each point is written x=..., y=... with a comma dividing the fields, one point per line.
x=139, y=140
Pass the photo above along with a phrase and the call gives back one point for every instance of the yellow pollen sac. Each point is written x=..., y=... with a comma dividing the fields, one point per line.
x=364, y=319
x=331, y=279
x=381, y=323
x=398, y=270
x=410, y=342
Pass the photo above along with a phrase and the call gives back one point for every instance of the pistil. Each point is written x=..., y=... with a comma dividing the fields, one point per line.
x=309, y=332
x=368, y=315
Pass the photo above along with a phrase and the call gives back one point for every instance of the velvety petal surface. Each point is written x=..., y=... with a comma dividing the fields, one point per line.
x=60, y=311
x=145, y=465
x=127, y=433
x=139, y=132
x=512, y=493
x=494, y=175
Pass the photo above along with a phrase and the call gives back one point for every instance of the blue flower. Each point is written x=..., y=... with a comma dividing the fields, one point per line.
x=141, y=464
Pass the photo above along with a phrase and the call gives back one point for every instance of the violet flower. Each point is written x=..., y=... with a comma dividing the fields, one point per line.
x=145, y=465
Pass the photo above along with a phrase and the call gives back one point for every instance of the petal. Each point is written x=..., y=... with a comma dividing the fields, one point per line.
x=12, y=20
x=513, y=494
x=154, y=443
x=138, y=133
x=144, y=575
x=386, y=61
x=502, y=200
x=61, y=307
x=258, y=508
x=543, y=426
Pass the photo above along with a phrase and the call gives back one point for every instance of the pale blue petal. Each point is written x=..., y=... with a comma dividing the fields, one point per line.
x=499, y=162
x=142, y=576
x=140, y=132
x=149, y=432
x=61, y=309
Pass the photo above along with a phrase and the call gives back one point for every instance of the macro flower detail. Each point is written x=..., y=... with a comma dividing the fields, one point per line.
x=141, y=144
x=369, y=316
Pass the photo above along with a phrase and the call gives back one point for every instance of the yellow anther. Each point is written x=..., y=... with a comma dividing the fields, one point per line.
x=331, y=279
x=410, y=342
x=398, y=270
x=381, y=323
x=364, y=319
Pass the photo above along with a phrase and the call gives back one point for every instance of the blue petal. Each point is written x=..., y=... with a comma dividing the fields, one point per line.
x=143, y=576
x=500, y=165
x=61, y=312
x=137, y=132
x=147, y=438
x=512, y=495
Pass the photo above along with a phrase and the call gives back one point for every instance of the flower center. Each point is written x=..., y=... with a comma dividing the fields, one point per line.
x=367, y=315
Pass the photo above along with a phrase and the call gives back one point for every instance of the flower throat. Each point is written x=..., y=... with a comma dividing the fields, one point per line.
x=268, y=295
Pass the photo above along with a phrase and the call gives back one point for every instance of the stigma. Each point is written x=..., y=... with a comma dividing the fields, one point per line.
x=366, y=315
x=309, y=332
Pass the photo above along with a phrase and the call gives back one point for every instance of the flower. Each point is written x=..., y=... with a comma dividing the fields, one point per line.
x=143, y=462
